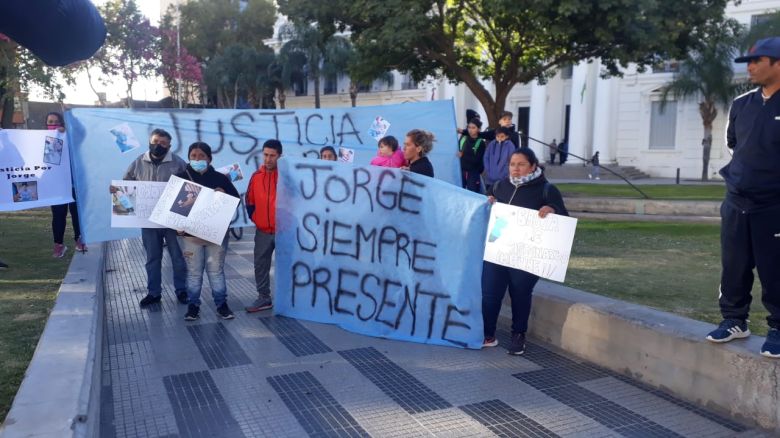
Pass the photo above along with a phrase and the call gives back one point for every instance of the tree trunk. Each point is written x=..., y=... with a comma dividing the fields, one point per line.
x=100, y=99
x=281, y=97
x=7, y=121
x=235, y=94
x=708, y=112
x=316, y=74
x=353, y=92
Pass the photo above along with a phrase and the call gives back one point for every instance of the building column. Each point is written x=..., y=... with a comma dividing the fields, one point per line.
x=580, y=125
x=604, y=120
x=536, y=120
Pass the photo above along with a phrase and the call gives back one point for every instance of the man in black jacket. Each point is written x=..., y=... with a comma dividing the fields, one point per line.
x=750, y=214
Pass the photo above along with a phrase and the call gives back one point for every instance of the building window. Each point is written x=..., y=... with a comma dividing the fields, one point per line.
x=759, y=19
x=663, y=125
x=567, y=71
x=331, y=85
x=300, y=86
x=407, y=83
x=666, y=66
x=363, y=87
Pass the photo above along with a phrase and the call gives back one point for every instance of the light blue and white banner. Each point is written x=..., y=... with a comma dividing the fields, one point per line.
x=380, y=251
x=105, y=141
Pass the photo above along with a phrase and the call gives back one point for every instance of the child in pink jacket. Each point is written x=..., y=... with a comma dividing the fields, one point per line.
x=389, y=154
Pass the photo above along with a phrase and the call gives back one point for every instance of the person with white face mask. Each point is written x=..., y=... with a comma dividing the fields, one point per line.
x=158, y=164
x=199, y=254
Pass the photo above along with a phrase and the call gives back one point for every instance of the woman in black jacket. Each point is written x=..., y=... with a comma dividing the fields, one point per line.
x=525, y=187
x=471, y=150
x=198, y=253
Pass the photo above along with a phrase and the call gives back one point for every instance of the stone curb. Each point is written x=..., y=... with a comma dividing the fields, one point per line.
x=663, y=350
x=648, y=207
x=60, y=394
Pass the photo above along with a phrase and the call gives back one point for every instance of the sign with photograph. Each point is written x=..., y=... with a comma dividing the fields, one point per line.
x=518, y=238
x=194, y=209
x=132, y=202
x=34, y=169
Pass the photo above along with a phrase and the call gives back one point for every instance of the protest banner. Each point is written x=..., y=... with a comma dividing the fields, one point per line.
x=34, y=169
x=379, y=251
x=194, y=209
x=518, y=238
x=106, y=140
x=132, y=202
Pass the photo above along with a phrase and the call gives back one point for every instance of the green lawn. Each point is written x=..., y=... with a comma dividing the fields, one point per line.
x=27, y=291
x=668, y=266
x=710, y=192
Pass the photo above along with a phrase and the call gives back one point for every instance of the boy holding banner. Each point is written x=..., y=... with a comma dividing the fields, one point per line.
x=158, y=164
x=261, y=206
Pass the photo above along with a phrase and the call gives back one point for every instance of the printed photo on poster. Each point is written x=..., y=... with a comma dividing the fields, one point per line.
x=52, y=150
x=123, y=200
x=25, y=191
x=378, y=128
x=233, y=172
x=186, y=198
x=346, y=155
x=124, y=138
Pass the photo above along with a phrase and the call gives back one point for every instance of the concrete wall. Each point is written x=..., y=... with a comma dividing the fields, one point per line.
x=666, y=351
x=60, y=394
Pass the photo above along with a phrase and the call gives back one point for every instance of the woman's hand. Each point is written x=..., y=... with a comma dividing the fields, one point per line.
x=219, y=189
x=61, y=129
x=491, y=200
x=545, y=210
x=460, y=154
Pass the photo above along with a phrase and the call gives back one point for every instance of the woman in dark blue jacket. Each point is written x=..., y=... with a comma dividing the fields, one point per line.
x=525, y=187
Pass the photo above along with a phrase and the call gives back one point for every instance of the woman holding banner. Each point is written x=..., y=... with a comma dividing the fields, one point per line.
x=200, y=254
x=59, y=213
x=525, y=187
x=417, y=146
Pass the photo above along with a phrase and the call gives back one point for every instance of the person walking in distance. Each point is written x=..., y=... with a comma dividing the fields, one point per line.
x=750, y=214
x=261, y=207
x=159, y=163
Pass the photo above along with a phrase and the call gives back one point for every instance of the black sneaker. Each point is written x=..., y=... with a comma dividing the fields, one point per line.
x=771, y=347
x=149, y=300
x=224, y=311
x=3, y=265
x=181, y=295
x=193, y=313
x=729, y=329
x=518, y=344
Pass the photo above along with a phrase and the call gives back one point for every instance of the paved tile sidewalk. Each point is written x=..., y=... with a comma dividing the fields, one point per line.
x=265, y=376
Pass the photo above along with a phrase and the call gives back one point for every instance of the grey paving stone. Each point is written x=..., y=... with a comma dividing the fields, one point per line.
x=380, y=388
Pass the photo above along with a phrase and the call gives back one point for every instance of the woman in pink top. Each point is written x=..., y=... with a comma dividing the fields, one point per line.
x=389, y=154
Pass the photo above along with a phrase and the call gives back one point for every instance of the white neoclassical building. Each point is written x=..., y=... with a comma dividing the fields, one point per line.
x=620, y=117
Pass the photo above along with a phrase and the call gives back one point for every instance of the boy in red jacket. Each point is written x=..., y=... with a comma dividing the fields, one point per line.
x=261, y=205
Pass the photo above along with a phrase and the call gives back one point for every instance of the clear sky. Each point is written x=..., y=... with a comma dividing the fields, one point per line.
x=143, y=90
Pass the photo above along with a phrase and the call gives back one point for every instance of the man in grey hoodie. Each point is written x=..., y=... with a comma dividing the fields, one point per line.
x=158, y=164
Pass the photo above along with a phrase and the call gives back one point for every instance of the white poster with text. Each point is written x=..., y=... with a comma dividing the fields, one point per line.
x=132, y=202
x=518, y=238
x=34, y=169
x=195, y=209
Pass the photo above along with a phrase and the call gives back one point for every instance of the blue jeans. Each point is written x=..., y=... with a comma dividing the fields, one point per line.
x=153, y=244
x=495, y=280
x=200, y=254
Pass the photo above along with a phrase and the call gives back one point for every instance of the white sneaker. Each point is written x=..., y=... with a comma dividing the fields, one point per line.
x=590, y=176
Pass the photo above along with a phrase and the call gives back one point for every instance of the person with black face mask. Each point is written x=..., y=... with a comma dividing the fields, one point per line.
x=158, y=164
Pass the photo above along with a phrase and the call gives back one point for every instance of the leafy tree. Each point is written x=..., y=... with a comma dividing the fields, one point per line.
x=341, y=58
x=285, y=69
x=240, y=74
x=178, y=68
x=306, y=40
x=19, y=70
x=508, y=41
x=132, y=44
x=208, y=27
x=706, y=75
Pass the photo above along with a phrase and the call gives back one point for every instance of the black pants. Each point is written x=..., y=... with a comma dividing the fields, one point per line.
x=495, y=280
x=470, y=181
x=59, y=215
x=749, y=240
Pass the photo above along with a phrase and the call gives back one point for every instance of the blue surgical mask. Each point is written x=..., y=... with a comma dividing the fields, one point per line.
x=199, y=165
